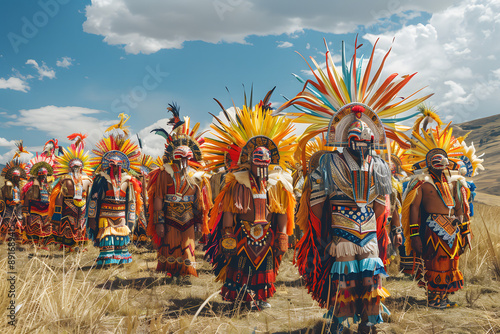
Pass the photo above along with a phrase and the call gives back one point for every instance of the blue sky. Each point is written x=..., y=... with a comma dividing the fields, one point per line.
x=68, y=66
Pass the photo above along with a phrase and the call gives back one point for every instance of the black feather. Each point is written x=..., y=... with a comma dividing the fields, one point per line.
x=139, y=140
x=265, y=102
x=223, y=110
x=163, y=133
x=174, y=109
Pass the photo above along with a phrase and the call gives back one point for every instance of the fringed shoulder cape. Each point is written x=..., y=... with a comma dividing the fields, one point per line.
x=235, y=197
x=158, y=187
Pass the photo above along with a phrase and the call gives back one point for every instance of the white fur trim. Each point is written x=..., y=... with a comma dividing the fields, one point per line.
x=346, y=248
x=280, y=176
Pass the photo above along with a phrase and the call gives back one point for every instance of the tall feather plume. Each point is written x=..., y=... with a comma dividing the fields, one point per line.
x=175, y=121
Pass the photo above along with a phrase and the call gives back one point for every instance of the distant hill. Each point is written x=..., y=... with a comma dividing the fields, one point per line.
x=485, y=133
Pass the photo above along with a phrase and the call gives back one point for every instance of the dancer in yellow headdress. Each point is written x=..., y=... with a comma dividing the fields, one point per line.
x=68, y=201
x=115, y=198
x=36, y=195
x=254, y=213
x=435, y=212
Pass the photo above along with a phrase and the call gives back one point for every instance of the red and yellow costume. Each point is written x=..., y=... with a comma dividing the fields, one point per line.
x=36, y=194
x=68, y=201
x=443, y=237
x=254, y=212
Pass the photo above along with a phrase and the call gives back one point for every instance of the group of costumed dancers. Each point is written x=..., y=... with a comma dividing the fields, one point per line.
x=355, y=186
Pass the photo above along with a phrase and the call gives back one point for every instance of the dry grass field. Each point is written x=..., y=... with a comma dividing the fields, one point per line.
x=58, y=293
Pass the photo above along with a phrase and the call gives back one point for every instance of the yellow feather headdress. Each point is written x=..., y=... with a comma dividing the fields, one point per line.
x=428, y=115
x=422, y=145
x=63, y=162
x=230, y=141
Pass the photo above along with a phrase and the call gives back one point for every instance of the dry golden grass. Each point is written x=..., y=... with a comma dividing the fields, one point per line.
x=60, y=293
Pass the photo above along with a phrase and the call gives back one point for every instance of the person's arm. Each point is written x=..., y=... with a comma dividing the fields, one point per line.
x=463, y=222
x=281, y=241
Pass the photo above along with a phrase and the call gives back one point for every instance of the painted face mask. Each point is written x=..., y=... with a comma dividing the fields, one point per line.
x=183, y=154
x=360, y=138
x=261, y=158
x=76, y=167
x=42, y=174
x=439, y=162
x=16, y=176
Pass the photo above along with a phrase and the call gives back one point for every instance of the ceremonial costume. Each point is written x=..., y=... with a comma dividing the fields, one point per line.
x=177, y=198
x=68, y=201
x=36, y=195
x=345, y=201
x=11, y=215
x=114, y=199
x=399, y=159
x=254, y=212
x=436, y=231
x=139, y=234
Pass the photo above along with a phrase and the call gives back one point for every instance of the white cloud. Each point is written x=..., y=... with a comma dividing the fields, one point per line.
x=308, y=46
x=59, y=122
x=14, y=83
x=166, y=24
x=65, y=62
x=5, y=143
x=153, y=144
x=284, y=44
x=454, y=54
x=43, y=71
x=7, y=156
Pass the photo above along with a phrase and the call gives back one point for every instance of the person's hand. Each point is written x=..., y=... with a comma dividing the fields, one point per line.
x=416, y=244
x=160, y=230
x=398, y=240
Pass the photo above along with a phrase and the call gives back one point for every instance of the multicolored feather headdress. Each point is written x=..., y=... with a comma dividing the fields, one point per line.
x=325, y=102
x=116, y=147
x=41, y=161
x=64, y=162
x=147, y=164
x=233, y=138
x=11, y=167
x=396, y=157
